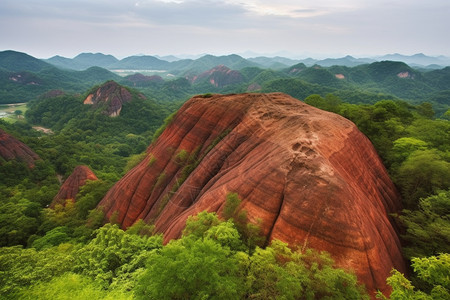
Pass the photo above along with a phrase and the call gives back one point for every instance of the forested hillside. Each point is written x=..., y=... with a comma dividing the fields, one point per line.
x=70, y=250
x=23, y=78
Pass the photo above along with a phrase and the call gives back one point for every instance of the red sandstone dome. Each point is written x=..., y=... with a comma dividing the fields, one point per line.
x=110, y=95
x=310, y=177
x=72, y=185
x=13, y=149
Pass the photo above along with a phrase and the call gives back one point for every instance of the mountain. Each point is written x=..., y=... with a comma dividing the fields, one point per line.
x=83, y=61
x=139, y=80
x=17, y=61
x=219, y=76
x=13, y=149
x=72, y=185
x=169, y=58
x=207, y=62
x=144, y=62
x=276, y=62
x=23, y=77
x=97, y=60
x=348, y=61
x=109, y=97
x=305, y=176
x=418, y=59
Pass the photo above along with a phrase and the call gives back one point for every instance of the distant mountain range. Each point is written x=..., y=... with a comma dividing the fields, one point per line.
x=354, y=80
x=173, y=64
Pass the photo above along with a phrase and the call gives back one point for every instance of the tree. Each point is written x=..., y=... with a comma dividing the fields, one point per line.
x=277, y=272
x=72, y=286
x=428, y=227
x=193, y=269
x=422, y=174
x=435, y=270
x=111, y=252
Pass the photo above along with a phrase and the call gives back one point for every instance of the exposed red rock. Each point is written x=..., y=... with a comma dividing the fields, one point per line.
x=220, y=76
x=310, y=176
x=72, y=185
x=11, y=148
x=111, y=95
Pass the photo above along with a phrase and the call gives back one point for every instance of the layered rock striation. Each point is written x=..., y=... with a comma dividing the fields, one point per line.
x=13, y=149
x=72, y=185
x=111, y=96
x=309, y=177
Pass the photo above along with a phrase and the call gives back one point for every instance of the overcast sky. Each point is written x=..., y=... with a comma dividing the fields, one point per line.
x=317, y=28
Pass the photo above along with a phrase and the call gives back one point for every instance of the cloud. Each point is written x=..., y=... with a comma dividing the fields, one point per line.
x=174, y=26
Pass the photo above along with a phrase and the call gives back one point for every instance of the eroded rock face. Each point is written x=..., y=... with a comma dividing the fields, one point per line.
x=72, y=185
x=13, y=149
x=311, y=177
x=111, y=95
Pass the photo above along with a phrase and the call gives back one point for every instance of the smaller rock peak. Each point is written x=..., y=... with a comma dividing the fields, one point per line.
x=110, y=94
x=72, y=185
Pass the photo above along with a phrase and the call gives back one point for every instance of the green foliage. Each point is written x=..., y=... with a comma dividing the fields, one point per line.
x=434, y=270
x=423, y=173
x=17, y=222
x=194, y=269
x=111, y=252
x=72, y=286
x=251, y=233
x=141, y=228
x=428, y=227
x=279, y=273
x=208, y=263
x=196, y=226
x=52, y=238
x=161, y=129
x=232, y=203
x=21, y=268
x=329, y=103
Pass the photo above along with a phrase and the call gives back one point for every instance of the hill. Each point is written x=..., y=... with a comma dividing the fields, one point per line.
x=305, y=176
x=23, y=77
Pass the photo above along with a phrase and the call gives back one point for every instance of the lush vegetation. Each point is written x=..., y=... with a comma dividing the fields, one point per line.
x=210, y=261
x=68, y=251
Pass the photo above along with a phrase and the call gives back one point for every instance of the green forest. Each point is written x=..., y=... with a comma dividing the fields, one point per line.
x=68, y=252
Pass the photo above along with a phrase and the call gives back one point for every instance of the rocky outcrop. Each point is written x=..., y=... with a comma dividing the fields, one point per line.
x=72, y=185
x=308, y=177
x=110, y=96
x=219, y=76
x=139, y=80
x=13, y=149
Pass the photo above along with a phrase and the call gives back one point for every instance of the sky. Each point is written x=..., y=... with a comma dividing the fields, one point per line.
x=300, y=29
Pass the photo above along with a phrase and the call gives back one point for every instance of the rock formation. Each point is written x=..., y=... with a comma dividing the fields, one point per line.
x=13, y=149
x=72, y=185
x=310, y=177
x=111, y=96
x=219, y=76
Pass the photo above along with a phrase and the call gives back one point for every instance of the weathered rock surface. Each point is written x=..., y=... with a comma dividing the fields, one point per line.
x=13, y=149
x=311, y=177
x=110, y=95
x=72, y=185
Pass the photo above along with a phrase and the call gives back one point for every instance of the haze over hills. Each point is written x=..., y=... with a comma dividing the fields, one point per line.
x=24, y=77
x=171, y=63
